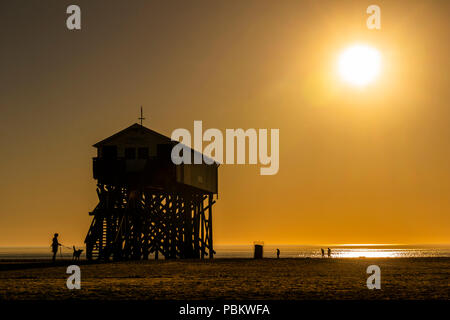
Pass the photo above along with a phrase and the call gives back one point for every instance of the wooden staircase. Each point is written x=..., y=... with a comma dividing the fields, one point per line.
x=96, y=239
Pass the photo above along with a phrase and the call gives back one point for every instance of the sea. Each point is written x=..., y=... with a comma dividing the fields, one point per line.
x=269, y=251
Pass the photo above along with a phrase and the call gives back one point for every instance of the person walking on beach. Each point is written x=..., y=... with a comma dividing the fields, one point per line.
x=329, y=252
x=278, y=253
x=55, y=245
x=323, y=252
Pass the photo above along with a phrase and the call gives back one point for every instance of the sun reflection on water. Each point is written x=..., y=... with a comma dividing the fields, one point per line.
x=365, y=253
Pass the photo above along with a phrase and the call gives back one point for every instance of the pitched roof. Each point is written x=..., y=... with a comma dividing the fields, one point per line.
x=133, y=127
x=137, y=127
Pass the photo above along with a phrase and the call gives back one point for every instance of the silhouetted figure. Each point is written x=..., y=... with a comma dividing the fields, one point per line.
x=55, y=245
x=329, y=252
x=278, y=253
x=323, y=252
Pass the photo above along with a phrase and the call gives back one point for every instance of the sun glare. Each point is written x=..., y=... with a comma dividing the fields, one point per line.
x=359, y=65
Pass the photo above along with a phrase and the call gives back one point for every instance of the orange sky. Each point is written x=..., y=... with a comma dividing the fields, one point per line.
x=365, y=165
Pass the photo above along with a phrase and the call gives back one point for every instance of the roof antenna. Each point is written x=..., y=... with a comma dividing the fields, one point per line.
x=142, y=117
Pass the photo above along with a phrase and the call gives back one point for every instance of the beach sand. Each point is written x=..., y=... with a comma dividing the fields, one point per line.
x=290, y=279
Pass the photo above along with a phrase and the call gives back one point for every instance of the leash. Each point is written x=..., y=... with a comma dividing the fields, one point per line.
x=60, y=249
x=65, y=246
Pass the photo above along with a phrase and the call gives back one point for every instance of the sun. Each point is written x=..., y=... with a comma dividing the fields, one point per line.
x=359, y=65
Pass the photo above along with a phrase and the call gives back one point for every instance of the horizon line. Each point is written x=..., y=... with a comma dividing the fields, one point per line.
x=278, y=244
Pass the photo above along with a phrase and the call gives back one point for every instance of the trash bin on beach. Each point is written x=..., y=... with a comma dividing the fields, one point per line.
x=259, y=246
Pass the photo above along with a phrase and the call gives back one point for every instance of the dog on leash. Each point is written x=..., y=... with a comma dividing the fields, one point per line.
x=76, y=254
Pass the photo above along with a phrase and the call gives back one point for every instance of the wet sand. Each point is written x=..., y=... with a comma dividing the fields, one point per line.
x=290, y=279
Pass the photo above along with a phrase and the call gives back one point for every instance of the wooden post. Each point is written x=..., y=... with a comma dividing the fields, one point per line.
x=210, y=203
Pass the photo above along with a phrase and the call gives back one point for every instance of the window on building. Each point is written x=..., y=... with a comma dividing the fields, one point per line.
x=109, y=152
x=130, y=153
x=143, y=153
